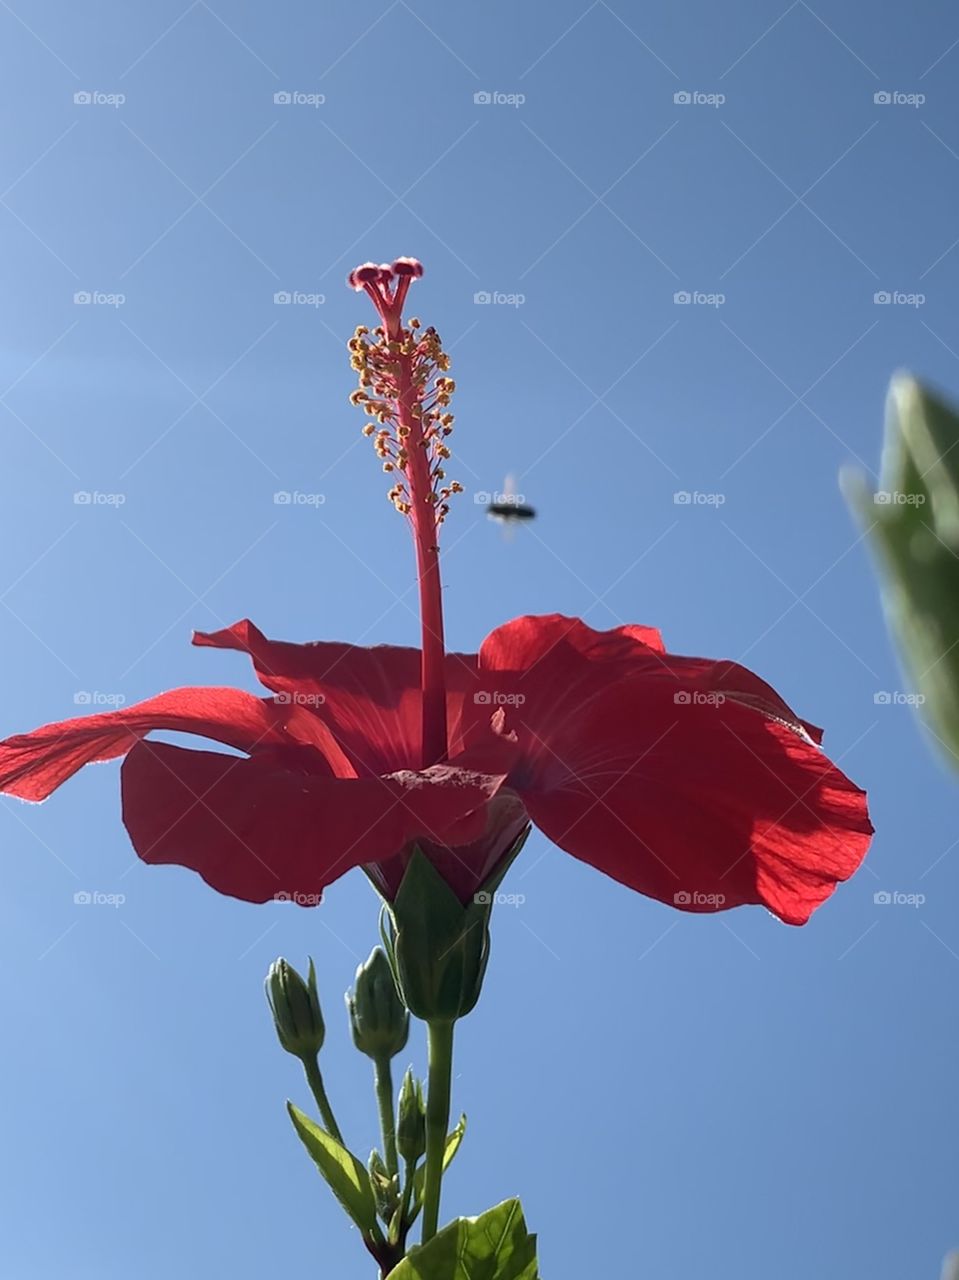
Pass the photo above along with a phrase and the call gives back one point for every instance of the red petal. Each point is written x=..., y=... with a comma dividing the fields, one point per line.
x=540, y=670
x=34, y=764
x=704, y=805
x=370, y=697
x=522, y=644
x=256, y=831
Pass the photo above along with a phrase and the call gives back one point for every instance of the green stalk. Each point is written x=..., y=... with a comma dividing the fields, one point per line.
x=315, y=1081
x=384, y=1098
x=437, y=1121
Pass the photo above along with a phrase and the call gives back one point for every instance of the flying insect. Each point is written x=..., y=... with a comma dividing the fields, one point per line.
x=509, y=507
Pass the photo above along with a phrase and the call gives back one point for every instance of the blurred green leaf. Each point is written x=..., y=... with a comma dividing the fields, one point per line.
x=912, y=521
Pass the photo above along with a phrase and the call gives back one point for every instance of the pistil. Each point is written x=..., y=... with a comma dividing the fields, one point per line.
x=404, y=390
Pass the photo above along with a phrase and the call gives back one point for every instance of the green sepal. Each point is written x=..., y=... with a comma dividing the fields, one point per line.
x=438, y=947
x=494, y=1246
x=344, y=1174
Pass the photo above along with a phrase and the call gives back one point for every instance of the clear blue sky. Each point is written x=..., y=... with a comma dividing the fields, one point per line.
x=671, y=1095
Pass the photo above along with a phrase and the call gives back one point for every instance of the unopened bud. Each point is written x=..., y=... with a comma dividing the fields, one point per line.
x=296, y=1010
x=411, y=1122
x=378, y=1018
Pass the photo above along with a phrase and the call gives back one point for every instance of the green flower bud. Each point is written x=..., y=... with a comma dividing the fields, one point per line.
x=385, y=1189
x=378, y=1018
x=296, y=1009
x=411, y=1122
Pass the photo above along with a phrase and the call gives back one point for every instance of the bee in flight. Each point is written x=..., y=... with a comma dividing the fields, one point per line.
x=509, y=507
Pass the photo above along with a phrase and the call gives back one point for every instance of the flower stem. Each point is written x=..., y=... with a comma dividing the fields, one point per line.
x=437, y=1120
x=384, y=1098
x=315, y=1081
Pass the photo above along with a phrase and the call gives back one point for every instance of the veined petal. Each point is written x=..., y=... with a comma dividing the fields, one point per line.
x=568, y=663
x=704, y=805
x=32, y=765
x=257, y=831
x=370, y=697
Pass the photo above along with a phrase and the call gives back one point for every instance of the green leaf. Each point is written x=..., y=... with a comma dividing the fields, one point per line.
x=913, y=523
x=494, y=1246
x=453, y=1141
x=347, y=1178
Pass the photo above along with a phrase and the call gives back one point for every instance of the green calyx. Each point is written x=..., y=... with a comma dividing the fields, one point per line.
x=378, y=1018
x=438, y=948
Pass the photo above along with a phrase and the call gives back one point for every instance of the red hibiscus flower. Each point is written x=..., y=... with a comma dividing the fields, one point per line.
x=688, y=780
